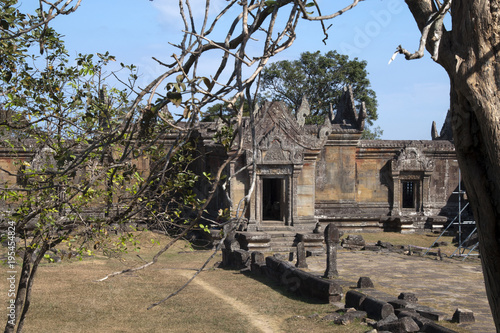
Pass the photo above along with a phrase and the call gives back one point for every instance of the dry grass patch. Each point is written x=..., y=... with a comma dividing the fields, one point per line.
x=66, y=297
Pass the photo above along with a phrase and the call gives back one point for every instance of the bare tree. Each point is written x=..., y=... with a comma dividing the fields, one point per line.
x=258, y=30
x=83, y=139
x=469, y=53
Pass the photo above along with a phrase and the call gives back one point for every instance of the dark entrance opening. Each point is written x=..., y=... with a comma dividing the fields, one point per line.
x=272, y=189
x=409, y=191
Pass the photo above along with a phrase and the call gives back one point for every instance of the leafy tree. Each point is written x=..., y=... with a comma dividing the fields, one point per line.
x=86, y=160
x=468, y=51
x=321, y=78
x=225, y=110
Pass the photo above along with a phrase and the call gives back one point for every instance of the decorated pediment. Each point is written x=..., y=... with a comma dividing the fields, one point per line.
x=282, y=138
x=412, y=159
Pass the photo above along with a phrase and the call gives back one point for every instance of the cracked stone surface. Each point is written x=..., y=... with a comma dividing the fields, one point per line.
x=443, y=285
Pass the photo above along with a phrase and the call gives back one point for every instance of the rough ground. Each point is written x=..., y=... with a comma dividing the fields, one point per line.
x=443, y=285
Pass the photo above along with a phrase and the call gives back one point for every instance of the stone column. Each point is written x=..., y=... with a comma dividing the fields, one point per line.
x=301, y=256
x=332, y=238
x=396, y=195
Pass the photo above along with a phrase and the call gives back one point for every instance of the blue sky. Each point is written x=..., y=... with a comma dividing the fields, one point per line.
x=411, y=94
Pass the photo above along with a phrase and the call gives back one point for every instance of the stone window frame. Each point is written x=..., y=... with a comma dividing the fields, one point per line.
x=411, y=165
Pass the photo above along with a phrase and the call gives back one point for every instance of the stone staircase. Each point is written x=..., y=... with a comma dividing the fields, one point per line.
x=282, y=236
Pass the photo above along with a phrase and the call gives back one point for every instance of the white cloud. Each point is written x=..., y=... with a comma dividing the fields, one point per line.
x=169, y=10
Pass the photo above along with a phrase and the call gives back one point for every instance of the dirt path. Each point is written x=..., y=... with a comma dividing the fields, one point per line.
x=261, y=322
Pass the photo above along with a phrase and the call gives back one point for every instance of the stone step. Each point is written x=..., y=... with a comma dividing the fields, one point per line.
x=286, y=249
x=275, y=228
x=283, y=242
x=282, y=233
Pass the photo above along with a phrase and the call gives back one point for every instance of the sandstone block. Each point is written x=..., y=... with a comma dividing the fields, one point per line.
x=463, y=316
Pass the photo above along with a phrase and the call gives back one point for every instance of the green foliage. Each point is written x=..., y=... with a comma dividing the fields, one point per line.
x=372, y=133
x=321, y=78
x=85, y=166
x=225, y=111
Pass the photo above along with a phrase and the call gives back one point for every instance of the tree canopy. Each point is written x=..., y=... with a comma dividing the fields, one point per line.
x=321, y=78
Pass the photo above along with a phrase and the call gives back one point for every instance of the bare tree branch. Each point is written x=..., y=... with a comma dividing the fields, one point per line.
x=434, y=23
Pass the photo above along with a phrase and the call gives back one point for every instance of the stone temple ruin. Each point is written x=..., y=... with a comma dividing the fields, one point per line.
x=310, y=174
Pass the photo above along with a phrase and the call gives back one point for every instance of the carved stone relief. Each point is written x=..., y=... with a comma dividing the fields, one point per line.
x=412, y=159
x=411, y=165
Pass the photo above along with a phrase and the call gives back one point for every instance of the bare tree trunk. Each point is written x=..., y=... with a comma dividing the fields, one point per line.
x=470, y=54
x=25, y=286
x=475, y=106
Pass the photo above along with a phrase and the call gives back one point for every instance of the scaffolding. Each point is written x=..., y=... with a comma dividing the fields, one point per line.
x=462, y=245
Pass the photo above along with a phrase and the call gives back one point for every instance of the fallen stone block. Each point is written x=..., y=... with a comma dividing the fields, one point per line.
x=354, y=299
x=353, y=242
x=258, y=258
x=402, y=304
x=356, y=314
x=365, y=282
x=241, y=259
x=402, y=325
x=370, y=322
x=412, y=313
x=409, y=297
x=331, y=316
x=302, y=282
x=389, y=319
x=430, y=313
x=348, y=317
x=325, y=290
x=463, y=316
x=376, y=309
x=400, y=312
x=385, y=245
x=257, y=268
x=372, y=248
x=435, y=328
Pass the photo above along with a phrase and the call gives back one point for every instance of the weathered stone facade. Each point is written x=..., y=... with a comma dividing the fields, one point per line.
x=310, y=173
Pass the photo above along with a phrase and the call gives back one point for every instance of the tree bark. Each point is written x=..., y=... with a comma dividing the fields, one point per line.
x=470, y=53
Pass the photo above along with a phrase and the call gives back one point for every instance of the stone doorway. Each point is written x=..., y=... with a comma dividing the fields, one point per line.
x=273, y=199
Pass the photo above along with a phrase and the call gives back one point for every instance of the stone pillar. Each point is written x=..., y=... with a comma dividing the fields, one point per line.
x=332, y=238
x=301, y=256
x=257, y=202
x=396, y=195
x=426, y=192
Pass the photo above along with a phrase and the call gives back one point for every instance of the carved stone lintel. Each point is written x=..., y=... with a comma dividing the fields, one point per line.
x=411, y=159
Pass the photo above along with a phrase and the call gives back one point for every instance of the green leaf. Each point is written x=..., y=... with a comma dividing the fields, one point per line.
x=208, y=83
x=175, y=98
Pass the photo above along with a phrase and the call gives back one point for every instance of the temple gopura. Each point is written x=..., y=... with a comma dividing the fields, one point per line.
x=307, y=176
x=310, y=174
